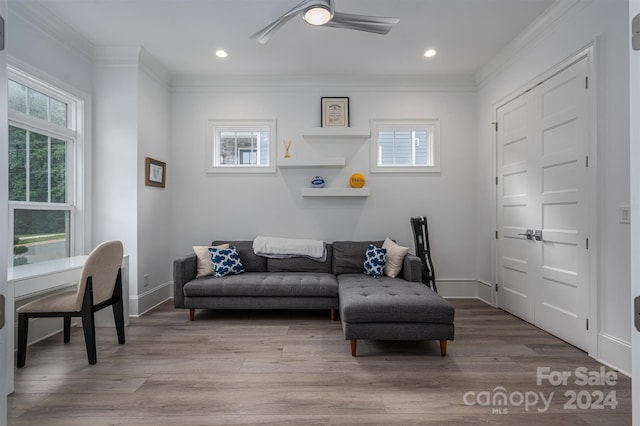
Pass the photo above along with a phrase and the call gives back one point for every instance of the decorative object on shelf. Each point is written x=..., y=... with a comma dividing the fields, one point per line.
x=155, y=172
x=317, y=182
x=287, y=145
x=334, y=112
x=357, y=180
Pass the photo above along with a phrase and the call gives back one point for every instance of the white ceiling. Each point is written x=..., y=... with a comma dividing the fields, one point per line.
x=184, y=34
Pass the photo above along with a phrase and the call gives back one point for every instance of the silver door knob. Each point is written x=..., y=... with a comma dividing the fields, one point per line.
x=528, y=233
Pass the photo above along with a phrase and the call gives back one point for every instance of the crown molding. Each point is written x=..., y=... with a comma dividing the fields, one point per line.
x=154, y=69
x=116, y=56
x=553, y=17
x=132, y=56
x=415, y=83
x=43, y=20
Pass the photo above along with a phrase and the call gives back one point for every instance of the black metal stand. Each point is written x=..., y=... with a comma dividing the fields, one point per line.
x=421, y=236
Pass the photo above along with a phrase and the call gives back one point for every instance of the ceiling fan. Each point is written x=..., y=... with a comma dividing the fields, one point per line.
x=322, y=12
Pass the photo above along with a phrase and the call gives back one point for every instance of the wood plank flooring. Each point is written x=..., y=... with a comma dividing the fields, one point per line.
x=295, y=368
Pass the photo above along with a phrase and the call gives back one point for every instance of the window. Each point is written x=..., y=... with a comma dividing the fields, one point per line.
x=43, y=144
x=241, y=146
x=405, y=146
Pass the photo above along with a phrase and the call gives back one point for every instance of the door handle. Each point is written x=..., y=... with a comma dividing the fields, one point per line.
x=2, y=311
x=538, y=235
x=528, y=233
x=636, y=312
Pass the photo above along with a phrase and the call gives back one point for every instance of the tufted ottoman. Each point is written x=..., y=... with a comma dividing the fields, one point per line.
x=392, y=309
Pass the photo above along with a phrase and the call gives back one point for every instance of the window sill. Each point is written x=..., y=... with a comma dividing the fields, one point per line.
x=34, y=279
x=30, y=280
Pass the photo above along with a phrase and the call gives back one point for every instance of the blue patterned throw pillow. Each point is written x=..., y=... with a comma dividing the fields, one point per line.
x=225, y=261
x=374, y=261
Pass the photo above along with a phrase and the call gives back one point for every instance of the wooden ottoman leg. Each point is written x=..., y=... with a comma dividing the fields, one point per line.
x=443, y=348
x=333, y=315
x=192, y=314
x=354, y=342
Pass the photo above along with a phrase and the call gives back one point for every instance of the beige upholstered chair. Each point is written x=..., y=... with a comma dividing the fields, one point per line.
x=100, y=286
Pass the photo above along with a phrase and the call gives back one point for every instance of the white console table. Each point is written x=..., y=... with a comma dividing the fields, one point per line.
x=27, y=281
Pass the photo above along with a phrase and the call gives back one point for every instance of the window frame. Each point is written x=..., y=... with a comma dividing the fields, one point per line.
x=429, y=124
x=73, y=136
x=214, y=127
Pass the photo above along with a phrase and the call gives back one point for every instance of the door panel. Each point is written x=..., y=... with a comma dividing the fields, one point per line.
x=513, y=207
x=542, y=185
x=564, y=298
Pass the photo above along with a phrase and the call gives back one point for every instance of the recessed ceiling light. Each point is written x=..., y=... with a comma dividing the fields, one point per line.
x=430, y=53
x=221, y=53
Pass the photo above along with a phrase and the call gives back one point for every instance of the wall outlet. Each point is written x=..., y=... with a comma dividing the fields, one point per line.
x=146, y=280
x=625, y=214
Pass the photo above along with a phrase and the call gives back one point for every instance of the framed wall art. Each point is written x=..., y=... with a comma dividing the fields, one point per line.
x=335, y=112
x=155, y=172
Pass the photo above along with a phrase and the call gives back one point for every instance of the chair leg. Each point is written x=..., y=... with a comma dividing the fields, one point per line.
x=118, y=308
x=67, y=329
x=89, y=328
x=23, y=330
x=88, y=322
x=192, y=314
x=354, y=343
x=118, y=318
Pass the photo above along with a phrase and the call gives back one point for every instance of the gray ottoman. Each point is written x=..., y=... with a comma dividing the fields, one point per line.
x=392, y=309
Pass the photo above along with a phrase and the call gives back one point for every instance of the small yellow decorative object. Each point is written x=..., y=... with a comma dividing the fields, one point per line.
x=357, y=180
x=287, y=145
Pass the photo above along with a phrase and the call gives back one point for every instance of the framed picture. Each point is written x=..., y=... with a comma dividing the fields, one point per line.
x=335, y=112
x=156, y=172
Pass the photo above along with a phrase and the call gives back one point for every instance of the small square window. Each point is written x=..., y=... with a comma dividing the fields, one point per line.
x=405, y=146
x=241, y=146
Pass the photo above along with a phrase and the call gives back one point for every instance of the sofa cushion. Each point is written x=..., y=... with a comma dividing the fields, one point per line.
x=301, y=264
x=348, y=256
x=250, y=261
x=395, y=257
x=365, y=299
x=269, y=284
x=374, y=260
x=204, y=264
x=225, y=261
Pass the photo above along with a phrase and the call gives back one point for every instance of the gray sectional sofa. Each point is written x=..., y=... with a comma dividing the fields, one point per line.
x=384, y=308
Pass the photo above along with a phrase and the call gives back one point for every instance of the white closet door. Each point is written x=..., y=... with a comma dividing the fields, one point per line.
x=515, y=132
x=543, y=142
x=562, y=298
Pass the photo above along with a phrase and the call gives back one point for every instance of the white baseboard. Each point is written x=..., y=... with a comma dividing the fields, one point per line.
x=486, y=292
x=140, y=304
x=615, y=353
x=457, y=289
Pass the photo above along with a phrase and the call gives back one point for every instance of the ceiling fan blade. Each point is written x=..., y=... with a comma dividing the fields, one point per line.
x=371, y=24
x=265, y=34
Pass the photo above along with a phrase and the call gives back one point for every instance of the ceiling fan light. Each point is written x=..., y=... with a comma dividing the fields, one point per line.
x=430, y=53
x=317, y=15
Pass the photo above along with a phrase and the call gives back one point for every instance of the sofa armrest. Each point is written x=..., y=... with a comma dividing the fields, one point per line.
x=412, y=268
x=184, y=270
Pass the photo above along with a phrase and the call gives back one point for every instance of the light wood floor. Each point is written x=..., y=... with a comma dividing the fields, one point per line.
x=295, y=368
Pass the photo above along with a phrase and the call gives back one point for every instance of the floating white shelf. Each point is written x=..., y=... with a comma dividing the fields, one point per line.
x=336, y=192
x=313, y=162
x=337, y=132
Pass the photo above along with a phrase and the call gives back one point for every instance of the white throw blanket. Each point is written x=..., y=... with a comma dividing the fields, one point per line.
x=289, y=247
